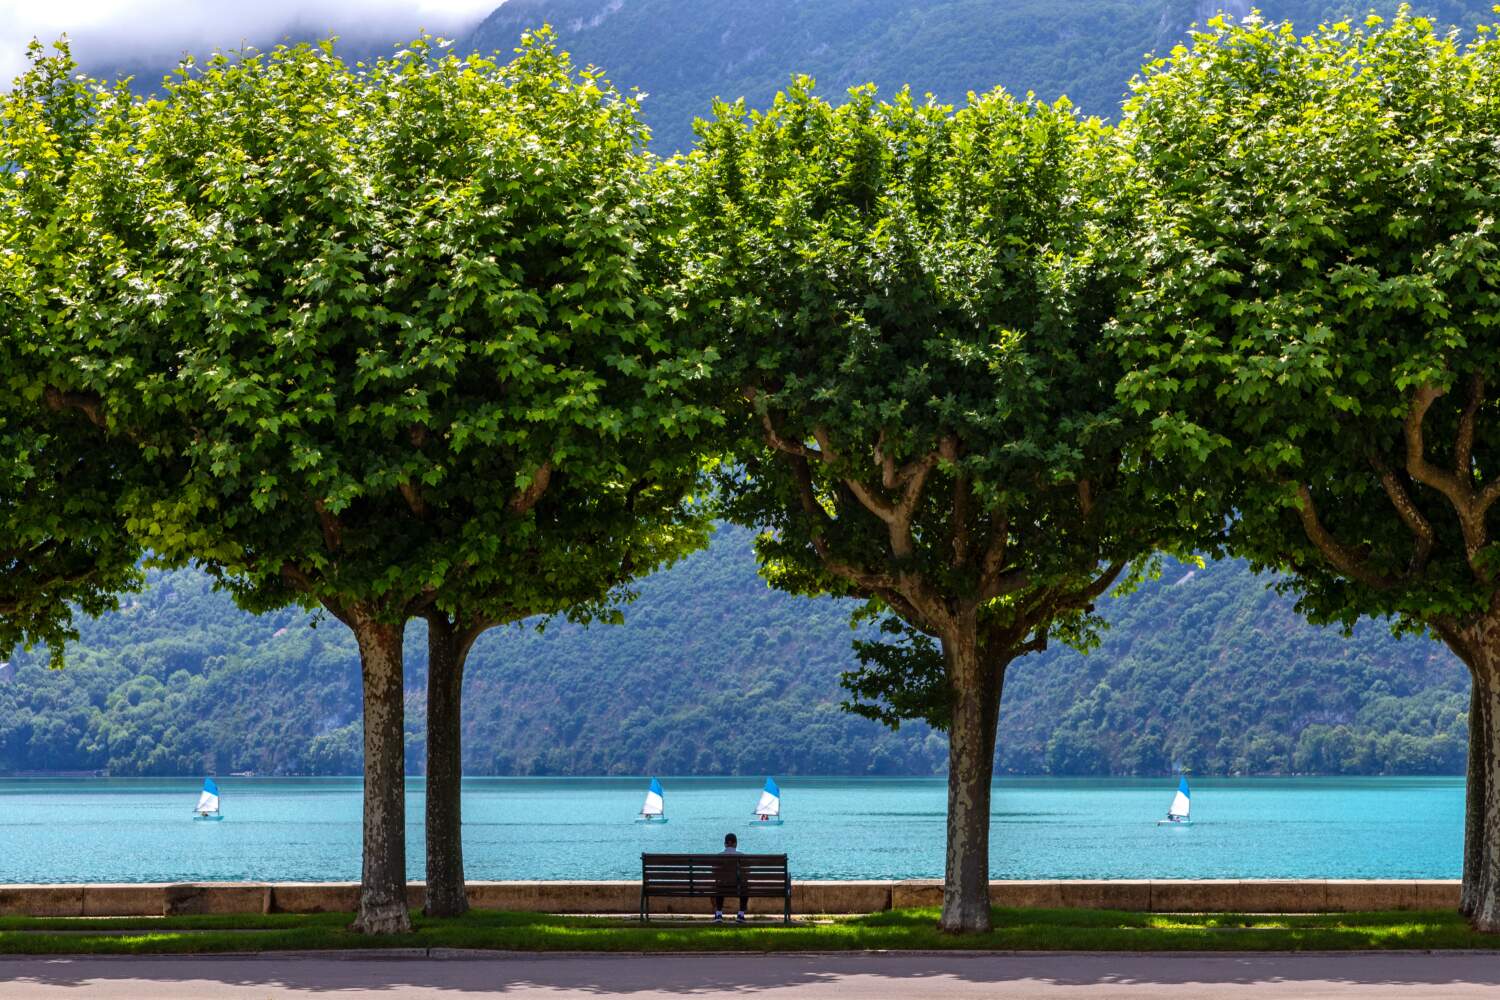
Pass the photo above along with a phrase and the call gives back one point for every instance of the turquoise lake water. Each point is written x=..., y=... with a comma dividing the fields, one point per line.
x=122, y=830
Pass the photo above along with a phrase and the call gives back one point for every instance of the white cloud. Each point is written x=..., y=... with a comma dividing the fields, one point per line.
x=111, y=33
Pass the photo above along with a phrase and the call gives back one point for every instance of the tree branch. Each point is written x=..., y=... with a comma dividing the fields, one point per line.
x=773, y=436
x=1102, y=582
x=414, y=500
x=993, y=580
x=1417, y=466
x=1036, y=644
x=997, y=547
x=1470, y=505
x=419, y=604
x=914, y=480
x=886, y=463
x=1463, y=450
x=338, y=609
x=875, y=504
x=887, y=512
x=294, y=577
x=872, y=581
x=333, y=532
x=802, y=476
x=1488, y=496
x=961, y=537
x=1002, y=584
x=90, y=405
x=1408, y=512
x=468, y=630
x=527, y=498
x=1346, y=561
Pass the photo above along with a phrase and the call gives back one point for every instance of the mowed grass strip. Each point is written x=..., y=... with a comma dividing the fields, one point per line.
x=1021, y=930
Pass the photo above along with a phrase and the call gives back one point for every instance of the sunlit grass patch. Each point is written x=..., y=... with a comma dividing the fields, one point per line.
x=1018, y=930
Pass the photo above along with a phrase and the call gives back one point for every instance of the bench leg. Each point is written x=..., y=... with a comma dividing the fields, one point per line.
x=645, y=909
x=786, y=916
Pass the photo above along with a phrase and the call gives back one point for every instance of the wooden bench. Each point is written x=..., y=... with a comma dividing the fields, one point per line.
x=702, y=876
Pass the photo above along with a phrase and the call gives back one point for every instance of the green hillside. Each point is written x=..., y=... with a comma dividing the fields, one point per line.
x=684, y=53
x=714, y=673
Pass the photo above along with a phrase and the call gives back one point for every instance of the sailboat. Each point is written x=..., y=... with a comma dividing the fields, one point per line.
x=768, y=809
x=208, y=802
x=1182, y=803
x=654, y=810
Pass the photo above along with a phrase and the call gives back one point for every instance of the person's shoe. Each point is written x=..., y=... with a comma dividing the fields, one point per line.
x=739, y=918
x=718, y=917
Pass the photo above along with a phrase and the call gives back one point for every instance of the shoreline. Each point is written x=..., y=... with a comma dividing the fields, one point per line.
x=843, y=897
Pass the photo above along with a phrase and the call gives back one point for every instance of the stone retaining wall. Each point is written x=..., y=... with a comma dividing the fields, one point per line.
x=1155, y=895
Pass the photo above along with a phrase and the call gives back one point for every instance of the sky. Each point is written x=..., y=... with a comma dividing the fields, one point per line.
x=107, y=34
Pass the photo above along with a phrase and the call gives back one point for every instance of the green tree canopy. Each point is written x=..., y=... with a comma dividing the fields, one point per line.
x=62, y=540
x=391, y=331
x=910, y=303
x=1316, y=325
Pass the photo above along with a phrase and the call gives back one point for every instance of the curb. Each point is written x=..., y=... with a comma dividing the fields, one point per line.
x=483, y=954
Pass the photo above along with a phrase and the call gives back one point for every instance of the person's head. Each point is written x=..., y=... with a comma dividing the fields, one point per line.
x=730, y=840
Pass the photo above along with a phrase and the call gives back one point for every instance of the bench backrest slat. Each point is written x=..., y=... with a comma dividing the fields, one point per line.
x=704, y=874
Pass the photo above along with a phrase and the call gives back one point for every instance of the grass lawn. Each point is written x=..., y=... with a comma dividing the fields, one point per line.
x=1081, y=930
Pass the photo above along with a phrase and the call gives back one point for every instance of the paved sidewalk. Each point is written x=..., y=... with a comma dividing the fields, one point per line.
x=806, y=977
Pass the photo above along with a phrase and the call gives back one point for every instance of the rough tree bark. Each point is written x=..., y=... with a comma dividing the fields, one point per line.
x=976, y=683
x=449, y=640
x=382, y=891
x=1478, y=645
x=1483, y=882
x=447, y=650
x=1476, y=793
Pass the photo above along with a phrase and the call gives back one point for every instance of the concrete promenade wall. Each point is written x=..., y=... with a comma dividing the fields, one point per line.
x=1155, y=895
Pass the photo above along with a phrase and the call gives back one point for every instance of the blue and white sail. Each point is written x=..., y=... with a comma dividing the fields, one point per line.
x=1182, y=802
x=208, y=799
x=769, y=806
x=655, y=806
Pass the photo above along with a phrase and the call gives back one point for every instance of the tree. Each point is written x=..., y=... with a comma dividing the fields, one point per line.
x=576, y=557
x=909, y=305
x=613, y=497
x=1316, y=328
x=63, y=544
x=390, y=329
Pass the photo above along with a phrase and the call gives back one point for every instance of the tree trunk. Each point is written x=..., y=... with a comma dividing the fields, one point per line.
x=1481, y=895
x=1475, y=793
x=382, y=890
x=1478, y=645
x=976, y=687
x=446, y=653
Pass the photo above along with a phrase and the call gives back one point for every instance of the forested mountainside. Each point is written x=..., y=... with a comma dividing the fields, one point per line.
x=684, y=53
x=713, y=673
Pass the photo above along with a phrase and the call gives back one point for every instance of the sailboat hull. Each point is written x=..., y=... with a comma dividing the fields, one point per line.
x=1174, y=822
x=207, y=817
x=651, y=819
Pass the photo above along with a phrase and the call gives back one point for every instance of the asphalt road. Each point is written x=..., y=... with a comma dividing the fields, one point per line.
x=806, y=977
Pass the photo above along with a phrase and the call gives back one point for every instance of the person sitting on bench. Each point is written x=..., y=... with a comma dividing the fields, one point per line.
x=728, y=879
